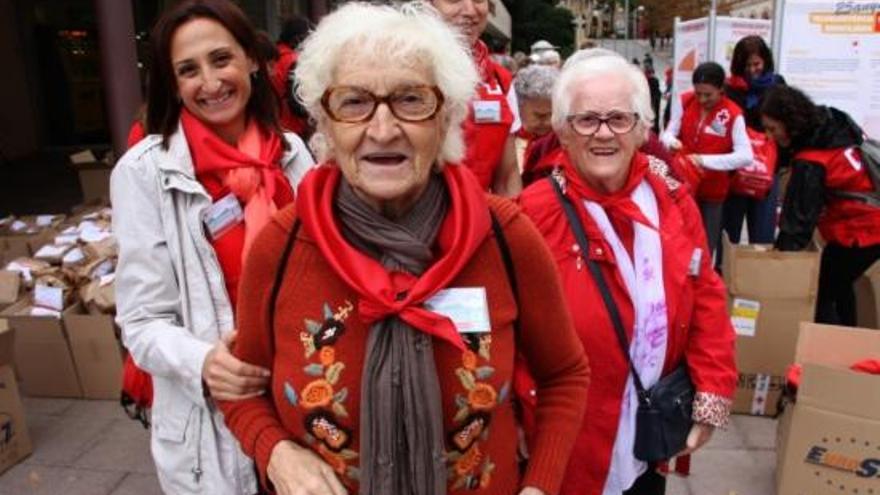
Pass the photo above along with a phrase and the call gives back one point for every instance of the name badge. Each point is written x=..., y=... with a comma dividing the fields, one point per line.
x=223, y=215
x=694, y=266
x=467, y=307
x=487, y=112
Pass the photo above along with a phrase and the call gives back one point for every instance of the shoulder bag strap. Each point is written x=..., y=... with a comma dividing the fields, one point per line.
x=578, y=230
x=507, y=258
x=279, y=273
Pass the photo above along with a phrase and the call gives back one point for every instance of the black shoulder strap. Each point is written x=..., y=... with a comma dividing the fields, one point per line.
x=507, y=258
x=578, y=230
x=279, y=273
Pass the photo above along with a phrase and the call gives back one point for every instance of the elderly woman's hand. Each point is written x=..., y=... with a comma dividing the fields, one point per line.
x=699, y=435
x=298, y=471
x=228, y=378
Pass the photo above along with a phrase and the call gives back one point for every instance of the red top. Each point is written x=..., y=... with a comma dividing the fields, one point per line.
x=316, y=389
x=846, y=222
x=699, y=326
x=709, y=135
x=486, y=134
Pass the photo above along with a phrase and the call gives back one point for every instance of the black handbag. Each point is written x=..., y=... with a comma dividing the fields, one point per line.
x=663, y=418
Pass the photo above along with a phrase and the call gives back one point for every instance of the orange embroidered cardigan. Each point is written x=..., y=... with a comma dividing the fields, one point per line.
x=317, y=347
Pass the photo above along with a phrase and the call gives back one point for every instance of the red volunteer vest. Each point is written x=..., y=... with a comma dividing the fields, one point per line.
x=846, y=222
x=712, y=135
x=487, y=126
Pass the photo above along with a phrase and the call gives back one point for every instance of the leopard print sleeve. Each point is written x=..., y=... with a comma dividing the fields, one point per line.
x=711, y=409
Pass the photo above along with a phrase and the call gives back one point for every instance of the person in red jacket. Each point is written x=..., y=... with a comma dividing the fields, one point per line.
x=493, y=119
x=826, y=166
x=644, y=233
x=390, y=300
x=709, y=129
x=291, y=116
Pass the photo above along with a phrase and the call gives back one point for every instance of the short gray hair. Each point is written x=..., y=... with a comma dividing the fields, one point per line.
x=535, y=82
x=595, y=62
x=409, y=35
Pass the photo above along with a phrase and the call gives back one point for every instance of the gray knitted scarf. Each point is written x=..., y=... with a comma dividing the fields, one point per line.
x=401, y=426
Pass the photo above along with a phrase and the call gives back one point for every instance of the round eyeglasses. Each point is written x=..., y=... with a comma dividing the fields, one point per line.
x=353, y=104
x=587, y=124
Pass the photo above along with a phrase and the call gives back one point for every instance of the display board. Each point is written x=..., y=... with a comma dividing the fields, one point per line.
x=831, y=50
x=692, y=43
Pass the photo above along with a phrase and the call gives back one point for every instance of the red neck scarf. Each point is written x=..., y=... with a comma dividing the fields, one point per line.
x=522, y=133
x=251, y=171
x=617, y=204
x=384, y=293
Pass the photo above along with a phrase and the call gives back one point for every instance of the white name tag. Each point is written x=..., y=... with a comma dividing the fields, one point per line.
x=487, y=112
x=467, y=307
x=694, y=266
x=223, y=215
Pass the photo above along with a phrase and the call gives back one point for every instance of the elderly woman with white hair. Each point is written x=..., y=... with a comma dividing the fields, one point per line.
x=649, y=309
x=385, y=301
x=534, y=92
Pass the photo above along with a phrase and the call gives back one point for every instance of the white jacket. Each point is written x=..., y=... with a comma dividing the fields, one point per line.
x=172, y=307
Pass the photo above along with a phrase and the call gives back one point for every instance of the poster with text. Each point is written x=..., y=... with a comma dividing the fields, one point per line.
x=729, y=30
x=831, y=50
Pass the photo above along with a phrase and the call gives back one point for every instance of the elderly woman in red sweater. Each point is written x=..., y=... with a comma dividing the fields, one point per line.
x=637, y=276
x=385, y=300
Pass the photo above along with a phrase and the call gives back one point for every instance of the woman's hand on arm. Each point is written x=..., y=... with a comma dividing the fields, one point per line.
x=507, y=181
x=229, y=378
x=529, y=490
x=295, y=470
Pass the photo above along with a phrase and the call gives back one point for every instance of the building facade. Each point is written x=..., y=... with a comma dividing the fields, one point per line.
x=75, y=69
x=753, y=9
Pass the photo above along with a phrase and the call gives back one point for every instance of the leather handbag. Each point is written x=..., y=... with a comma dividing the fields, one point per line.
x=663, y=418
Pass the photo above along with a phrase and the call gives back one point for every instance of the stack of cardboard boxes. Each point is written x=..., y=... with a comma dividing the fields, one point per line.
x=59, y=298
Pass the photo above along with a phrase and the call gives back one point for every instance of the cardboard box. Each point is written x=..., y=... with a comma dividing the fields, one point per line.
x=94, y=176
x=867, y=289
x=769, y=294
x=15, y=442
x=97, y=354
x=10, y=285
x=42, y=353
x=829, y=440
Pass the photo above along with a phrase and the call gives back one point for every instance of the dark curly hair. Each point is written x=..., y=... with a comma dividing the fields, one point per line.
x=163, y=110
x=745, y=48
x=793, y=109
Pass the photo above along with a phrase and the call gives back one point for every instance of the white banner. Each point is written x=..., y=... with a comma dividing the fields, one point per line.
x=690, y=46
x=729, y=30
x=831, y=50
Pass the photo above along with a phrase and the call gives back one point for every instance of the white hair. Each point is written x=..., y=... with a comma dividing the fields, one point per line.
x=408, y=35
x=592, y=63
x=535, y=82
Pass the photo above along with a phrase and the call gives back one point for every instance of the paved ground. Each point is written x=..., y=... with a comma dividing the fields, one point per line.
x=91, y=448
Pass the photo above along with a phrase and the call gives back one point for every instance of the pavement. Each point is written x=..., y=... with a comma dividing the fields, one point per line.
x=86, y=447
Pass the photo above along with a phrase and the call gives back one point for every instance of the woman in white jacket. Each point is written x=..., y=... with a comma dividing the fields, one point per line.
x=188, y=200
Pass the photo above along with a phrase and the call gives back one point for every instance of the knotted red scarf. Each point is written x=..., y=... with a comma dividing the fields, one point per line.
x=384, y=293
x=251, y=172
x=618, y=205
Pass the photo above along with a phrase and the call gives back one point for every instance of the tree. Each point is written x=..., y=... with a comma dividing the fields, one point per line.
x=535, y=20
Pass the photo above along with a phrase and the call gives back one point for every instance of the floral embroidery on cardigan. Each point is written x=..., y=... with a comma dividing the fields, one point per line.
x=326, y=404
x=469, y=468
